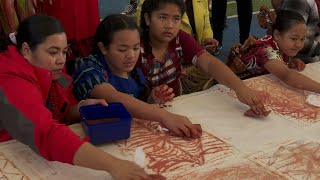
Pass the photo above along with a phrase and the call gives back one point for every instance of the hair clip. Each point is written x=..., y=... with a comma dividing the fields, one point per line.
x=12, y=37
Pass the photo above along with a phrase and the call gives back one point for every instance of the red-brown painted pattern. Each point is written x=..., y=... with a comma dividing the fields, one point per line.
x=284, y=100
x=166, y=153
x=245, y=171
x=298, y=160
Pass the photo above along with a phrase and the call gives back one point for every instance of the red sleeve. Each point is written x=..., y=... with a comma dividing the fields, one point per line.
x=190, y=48
x=27, y=119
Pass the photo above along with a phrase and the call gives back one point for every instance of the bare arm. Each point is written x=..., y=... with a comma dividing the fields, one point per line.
x=94, y=158
x=291, y=77
x=225, y=76
x=180, y=125
x=73, y=115
x=137, y=108
x=219, y=71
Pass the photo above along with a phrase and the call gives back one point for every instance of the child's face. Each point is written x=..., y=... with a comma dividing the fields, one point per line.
x=123, y=52
x=292, y=41
x=164, y=24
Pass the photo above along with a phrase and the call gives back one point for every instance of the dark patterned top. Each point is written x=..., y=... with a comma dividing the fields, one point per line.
x=93, y=70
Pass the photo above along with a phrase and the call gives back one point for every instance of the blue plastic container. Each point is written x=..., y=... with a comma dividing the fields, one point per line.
x=106, y=123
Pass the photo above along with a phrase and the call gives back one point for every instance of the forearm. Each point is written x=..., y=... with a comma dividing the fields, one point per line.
x=300, y=81
x=94, y=158
x=219, y=71
x=137, y=108
x=73, y=115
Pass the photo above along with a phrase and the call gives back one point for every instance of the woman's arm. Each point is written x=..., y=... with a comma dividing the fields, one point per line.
x=180, y=125
x=225, y=76
x=94, y=158
x=291, y=77
x=73, y=115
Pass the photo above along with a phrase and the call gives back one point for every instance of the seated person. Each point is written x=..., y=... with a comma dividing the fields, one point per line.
x=273, y=54
x=165, y=48
x=36, y=100
x=195, y=21
x=110, y=74
x=309, y=10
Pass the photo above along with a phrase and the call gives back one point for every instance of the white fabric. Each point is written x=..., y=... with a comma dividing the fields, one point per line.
x=284, y=145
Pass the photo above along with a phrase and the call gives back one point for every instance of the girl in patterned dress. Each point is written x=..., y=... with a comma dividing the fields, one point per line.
x=273, y=54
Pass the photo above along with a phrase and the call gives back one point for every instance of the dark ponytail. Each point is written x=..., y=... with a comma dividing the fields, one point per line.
x=286, y=19
x=5, y=41
x=110, y=25
x=33, y=30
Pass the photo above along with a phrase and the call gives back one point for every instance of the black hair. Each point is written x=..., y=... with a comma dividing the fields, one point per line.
x=106, y=30
x=110, y=25
x=33, y=30
x=148, y=7
x=286, y=19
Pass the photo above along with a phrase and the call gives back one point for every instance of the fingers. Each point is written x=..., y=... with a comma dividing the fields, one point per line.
x=259, y=106
x=199, y=129
x=258, y=102
x=157, y=177
x=250, y=113
x=185, y=130
x=194, y=131
x=139, y=172
x=164, y=93
x=297, y=64
x=177, y=132
x=96, y=101
x=92, y=101
x=210, y=48
x=301, y=65
x=102, y=102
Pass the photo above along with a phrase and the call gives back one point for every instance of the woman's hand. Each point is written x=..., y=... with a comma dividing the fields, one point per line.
x=250, y=97
x=161, y=94
x=297, y=64
x=181, y=126
x=209, y=44
x=92, y=101
x=122, y=169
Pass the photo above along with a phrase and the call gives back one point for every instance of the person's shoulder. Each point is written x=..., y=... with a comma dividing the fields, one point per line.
x=266, y=40
x=87, y=60
x=13, y=63
x=91, y=61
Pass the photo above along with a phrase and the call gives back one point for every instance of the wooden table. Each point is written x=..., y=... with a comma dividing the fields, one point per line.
x=284, y=145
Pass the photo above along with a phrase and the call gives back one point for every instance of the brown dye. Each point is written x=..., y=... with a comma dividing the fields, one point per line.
x=169, y=153
x=244, y=171
x=284, y=100
x=298, y=160
x=100, y=121
x=4, y=171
